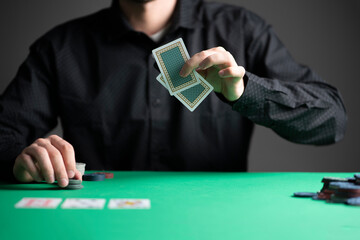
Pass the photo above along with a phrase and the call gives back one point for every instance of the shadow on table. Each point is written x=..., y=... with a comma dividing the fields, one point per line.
x=28, y=186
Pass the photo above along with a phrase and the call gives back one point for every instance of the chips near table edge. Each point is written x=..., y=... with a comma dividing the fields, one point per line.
x=337, y=190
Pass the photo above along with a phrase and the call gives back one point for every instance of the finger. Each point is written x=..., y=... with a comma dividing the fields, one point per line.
x=222, y=60
x=41, y=156
x=56, y=161
x=29, y=165
x=67, y=153
x=237, y=71
x=194, y=62
x=25, y=170
x=78, y=175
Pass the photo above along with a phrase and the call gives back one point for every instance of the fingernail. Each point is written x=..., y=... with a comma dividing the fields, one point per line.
x=51, y=179
x=221, y=73
x=71, y=173
x=63, y=182
x=181, y=73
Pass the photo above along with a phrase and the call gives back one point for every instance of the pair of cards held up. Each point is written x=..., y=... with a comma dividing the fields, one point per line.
x=190, y=90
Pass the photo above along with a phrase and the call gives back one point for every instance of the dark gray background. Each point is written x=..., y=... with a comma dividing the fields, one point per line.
x=323, y=34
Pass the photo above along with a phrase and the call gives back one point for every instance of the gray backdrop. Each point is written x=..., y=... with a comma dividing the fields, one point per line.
x=323, y=34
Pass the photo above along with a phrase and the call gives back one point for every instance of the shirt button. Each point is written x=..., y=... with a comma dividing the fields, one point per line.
x=156, y=102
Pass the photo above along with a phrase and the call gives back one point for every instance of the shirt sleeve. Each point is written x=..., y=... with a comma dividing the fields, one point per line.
x=286, y=96
x=27, y=107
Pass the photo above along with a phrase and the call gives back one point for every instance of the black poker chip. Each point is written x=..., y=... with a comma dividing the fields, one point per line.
x=304, y=194
x=94, y=177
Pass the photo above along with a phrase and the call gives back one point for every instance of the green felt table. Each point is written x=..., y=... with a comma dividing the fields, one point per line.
x=185, y=205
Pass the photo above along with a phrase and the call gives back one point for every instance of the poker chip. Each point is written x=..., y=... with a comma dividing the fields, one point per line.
x=337, y=199
x=317, y=198
x=108, y=175
x=322, y=196
x=345, y=187
x=74, y=184
x=351, y=179
x=74, y=187
x=304, y=194
x=333, y=179
x=93, y=177
x=74, y=181
x=353, y=201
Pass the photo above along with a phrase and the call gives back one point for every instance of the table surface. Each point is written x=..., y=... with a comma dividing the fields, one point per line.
x=184, y=205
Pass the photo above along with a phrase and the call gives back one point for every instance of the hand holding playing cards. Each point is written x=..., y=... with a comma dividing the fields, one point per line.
x=47, y=159
x=220, y=69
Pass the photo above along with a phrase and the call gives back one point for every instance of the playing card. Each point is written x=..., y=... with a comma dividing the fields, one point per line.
x=161, y=80
x=38, y=203
x=123, y=203
x=83, y=203
x=170, y=58
x=193, y=96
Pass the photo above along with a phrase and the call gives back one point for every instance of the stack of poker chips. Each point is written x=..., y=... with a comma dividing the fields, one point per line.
x=344, y=191
x=81, y=167
x=327, y=190
x=74, y=184
x=337, y=190
x=97, y=176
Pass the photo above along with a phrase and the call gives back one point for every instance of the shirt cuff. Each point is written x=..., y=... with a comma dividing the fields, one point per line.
x=252, y=101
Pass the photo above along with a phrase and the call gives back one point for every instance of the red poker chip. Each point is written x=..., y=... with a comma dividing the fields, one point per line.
x=328, y=191
x=108, y=175
x=323, y=196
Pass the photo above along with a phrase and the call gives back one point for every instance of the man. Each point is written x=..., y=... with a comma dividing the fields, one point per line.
x=96, y=73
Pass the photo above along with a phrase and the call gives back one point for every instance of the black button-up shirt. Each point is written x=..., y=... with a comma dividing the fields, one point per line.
x=96, y=75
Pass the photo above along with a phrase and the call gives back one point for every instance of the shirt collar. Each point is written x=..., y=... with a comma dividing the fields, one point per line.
x=186, y=15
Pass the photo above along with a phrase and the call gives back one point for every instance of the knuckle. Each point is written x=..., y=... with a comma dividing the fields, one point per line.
x=54, y=137
x=202, y=54
x=241, y=70
x=211, y=58
x=40, y=151
x=41, y=141
x=229, y=55
x=54, y=154
x=28, y=149
x=66, y=147
x=21, y=159
x=219, y=48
